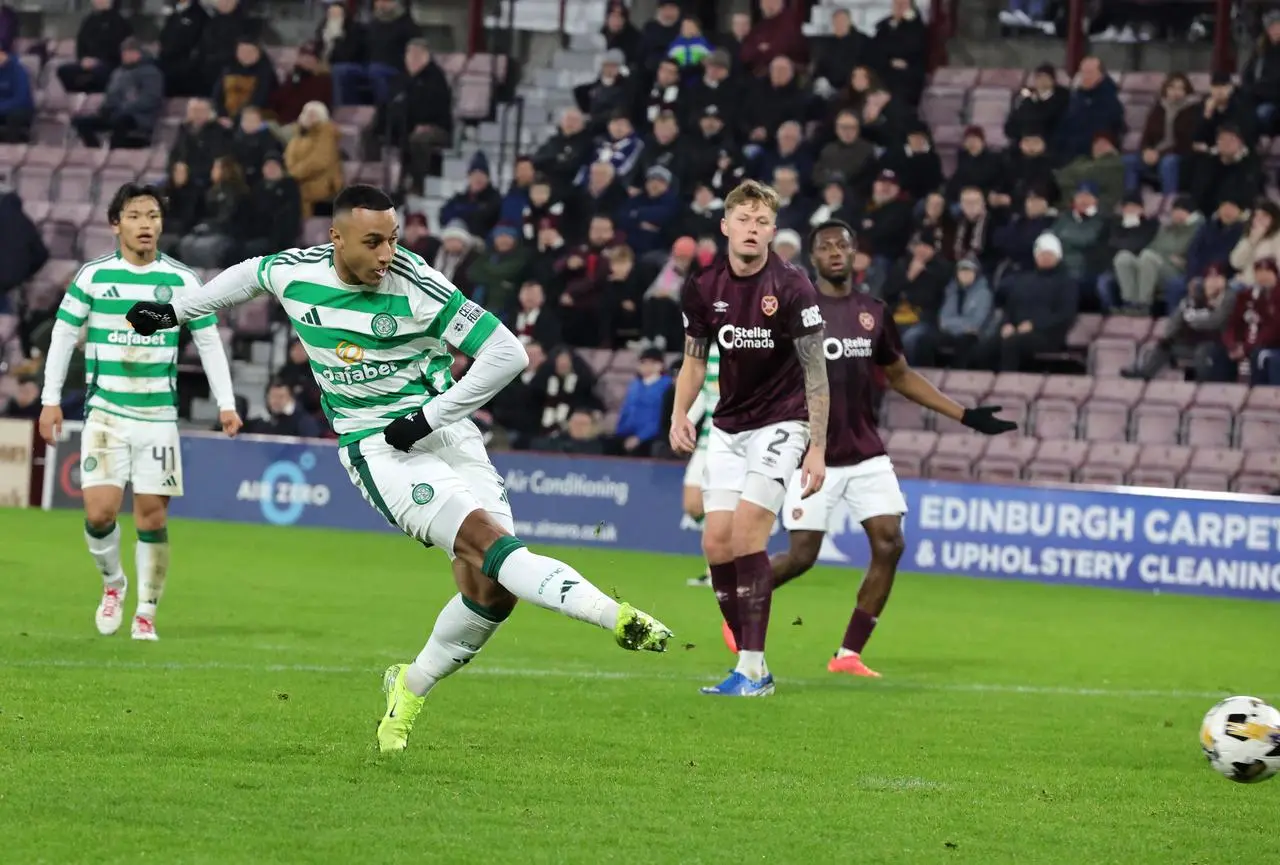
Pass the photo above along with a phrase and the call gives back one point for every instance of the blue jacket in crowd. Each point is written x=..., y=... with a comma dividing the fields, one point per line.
x=641, y=414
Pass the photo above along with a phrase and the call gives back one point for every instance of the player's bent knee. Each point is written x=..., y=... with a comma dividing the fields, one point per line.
x=804, y=550
x=476, y=536
x=477, y=590
x=887, y=544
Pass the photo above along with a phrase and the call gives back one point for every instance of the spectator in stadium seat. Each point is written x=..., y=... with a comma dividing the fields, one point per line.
x=132, y=105
x=971, y=232
x=621, y=147
x=705, y=141
x=885, y=119
x=868, y=275
x=795, y=208
x=730, y=170
x=787, y=245
x=914, y=291
x=900, y=47
x=387, y=37
x=1094, y=107
x=915, y=161
x=498, y=271
x=479, y=204
x=966, y=308
x=640, y=417
x=665, y=146
x=690, y=49
x=1103, y=168
x=284, y=416
x=932, y=212
x=1161, y=261
x=657, y=35
x=1232, y=171
x=620, y=34
x=603, y=195
x=771, y=102
x=852, y=97
x=543, y=205
x=646, y=218
x=533, y=320
x=775, y=34
x=715, y=88
x=610, y=93
x=17, y=103
x=884, y=218
x=1015, y=240
x=97, y=49
x=419, y=117
x=180, y=44
x=1253, y=332
x=215, y=239
x=580, y=436
x=1039, y=308
x=340, y=39
x=850, y=157
x=1261, y=240
x=517, y=196
x=309, y=81
x=295, y=373
x=837, y=54
x=314, y=159
x=516, y=409
x=623, y=294
x=25, y=404
x=9, y=27
x=252, y=142
x=1261, y=73
x=1127, y=235
x=703, y=215
x=200, y=141
x=249, y=79
x=1080, y=235
x=454, y=257
x=548, y=249
x=977, y=166
x=831, y=203
x=564, y=154
x=228, y=24
x=1213, y=242
x=1028, y=166
x=274, y=210
x=184, y=201
x=732, y=42
x=665, y=94
x=1167, y=137
x=1038, y=107
x=24, y=249
x=1226, y=105
x=1193, y=331
x=789, y=150
x=564, y=383
x=660, y=312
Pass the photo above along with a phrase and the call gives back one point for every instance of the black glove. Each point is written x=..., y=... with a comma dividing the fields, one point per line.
x=404, y=432
x=984, y=420
x=147, y=317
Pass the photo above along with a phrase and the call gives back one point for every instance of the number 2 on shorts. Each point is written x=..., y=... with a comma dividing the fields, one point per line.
x=779, y=439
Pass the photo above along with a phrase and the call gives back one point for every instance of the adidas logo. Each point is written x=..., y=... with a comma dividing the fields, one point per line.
x=312, y=317
x=564, y=589
x=170, y=481
x=111, y=292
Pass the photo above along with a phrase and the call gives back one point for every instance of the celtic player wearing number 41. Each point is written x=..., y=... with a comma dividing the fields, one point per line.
x=131, y=418
x=377, y=323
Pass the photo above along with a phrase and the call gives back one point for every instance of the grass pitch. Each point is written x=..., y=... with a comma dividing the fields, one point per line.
x=1016, y=723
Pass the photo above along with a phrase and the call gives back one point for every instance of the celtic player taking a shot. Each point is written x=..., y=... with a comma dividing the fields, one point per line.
x=377, y=323
x=131, y=418
x=860, y=336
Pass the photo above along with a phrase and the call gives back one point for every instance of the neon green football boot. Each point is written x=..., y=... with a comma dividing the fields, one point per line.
x=403, y=707
x=637, y=630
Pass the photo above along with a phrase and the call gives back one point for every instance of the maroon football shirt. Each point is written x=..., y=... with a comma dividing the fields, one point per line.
x=755, y=321
x=860, y=336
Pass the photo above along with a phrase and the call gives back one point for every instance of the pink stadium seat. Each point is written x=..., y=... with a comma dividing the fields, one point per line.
x=1160, y=466
x=11, y=155
x=1056, y=461
x=36, y=211
x=952, y=76
x=1055, y=418
x=58, y=272
x=973, y=384
x=909, y=449
x=474, y=98
x=942, y=111
x=1207, y=426
x=1124, y=327
x=96, y=240
x=1107, y=356
x=1108, y=463
x=1156, y=424
x=1178, y=394
x=1016, y=385
x=624, y=360
x=1071, y=388
x=955, y=455
x=1260, y=473
x=1135, y=116
x=78, y=154
x=936, y=376
x=112, y=178
x=74, y=183
x=1008, y=79
x=315, y=231
x=493, y=66
x=899, y=413
x=1211, y=469
x=1132, y=140
x=75, y=214
x=43, y=295
x=1258, y=429
x=253, y=320
x=360, y=116
x=1084, y=331
x=948, y=136
x=129, y=159
x=1119, y=390
x=1263, y=399
x=34, y=182
x=613, y=387
x=989, y=112
x=596, y=358
x=44, y=156
x=1104, y=421
x=1142, y=82
x=452, y=64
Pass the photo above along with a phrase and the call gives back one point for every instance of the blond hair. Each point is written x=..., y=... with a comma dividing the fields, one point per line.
x=752, y=190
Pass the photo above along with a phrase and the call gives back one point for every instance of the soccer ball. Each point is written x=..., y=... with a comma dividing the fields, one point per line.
x=1241, y=739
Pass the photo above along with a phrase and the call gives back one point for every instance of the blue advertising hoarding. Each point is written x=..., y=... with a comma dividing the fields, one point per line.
x=1165, y=540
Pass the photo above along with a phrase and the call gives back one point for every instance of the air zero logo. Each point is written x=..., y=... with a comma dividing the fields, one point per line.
x=283, y=491
x=384, y=325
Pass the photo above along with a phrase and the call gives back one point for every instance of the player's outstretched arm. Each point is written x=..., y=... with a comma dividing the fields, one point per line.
x=921, y=391
x=232, y=287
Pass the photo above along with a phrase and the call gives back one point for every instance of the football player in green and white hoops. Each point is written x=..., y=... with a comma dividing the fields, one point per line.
x=377, y=322
x=131, y=417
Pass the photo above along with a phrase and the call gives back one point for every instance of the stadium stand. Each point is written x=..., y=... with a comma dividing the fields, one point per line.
x=1211, y=420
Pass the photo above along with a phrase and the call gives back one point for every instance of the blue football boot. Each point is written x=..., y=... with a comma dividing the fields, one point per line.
x=738, y=685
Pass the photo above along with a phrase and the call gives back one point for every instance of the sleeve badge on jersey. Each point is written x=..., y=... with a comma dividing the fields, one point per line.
x=867, y=320
x=768, y=304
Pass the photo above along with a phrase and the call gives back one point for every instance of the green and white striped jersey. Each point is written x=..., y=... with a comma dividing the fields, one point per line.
x=128, y=374
x=377, y=353
x=710, y=394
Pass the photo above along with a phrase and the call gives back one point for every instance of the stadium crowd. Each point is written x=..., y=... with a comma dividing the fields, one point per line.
x=986, y=264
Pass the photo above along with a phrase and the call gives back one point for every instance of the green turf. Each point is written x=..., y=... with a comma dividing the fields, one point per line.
x=1016, y=723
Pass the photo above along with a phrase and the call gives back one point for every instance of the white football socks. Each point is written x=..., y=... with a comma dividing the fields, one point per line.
x=153, y=566
x=459, y=634
x=105, y=549
x=752, y=665
x=549, y=583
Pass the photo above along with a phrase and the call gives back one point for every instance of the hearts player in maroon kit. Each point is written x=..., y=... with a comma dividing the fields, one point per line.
x=770, y=422
x=860, y=335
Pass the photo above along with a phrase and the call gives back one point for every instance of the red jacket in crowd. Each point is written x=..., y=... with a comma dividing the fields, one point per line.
x=1255, y=323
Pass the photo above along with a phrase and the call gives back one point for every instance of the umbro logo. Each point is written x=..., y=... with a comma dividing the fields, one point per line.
x=720, y=306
